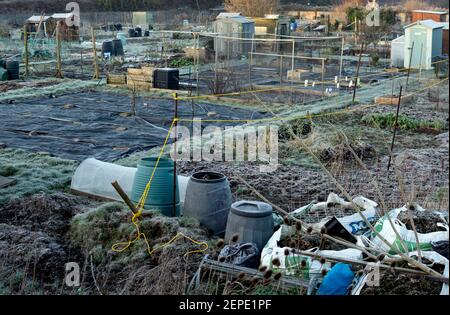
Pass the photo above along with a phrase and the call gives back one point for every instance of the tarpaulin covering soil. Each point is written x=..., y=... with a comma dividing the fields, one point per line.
x=99, y=124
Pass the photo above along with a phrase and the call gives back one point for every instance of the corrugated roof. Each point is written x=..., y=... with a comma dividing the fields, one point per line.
x=62, y=15
x=37, y=18
x=427, y=23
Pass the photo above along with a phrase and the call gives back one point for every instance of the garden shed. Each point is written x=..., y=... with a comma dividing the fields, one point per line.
x=232, y=29
x=423, y=44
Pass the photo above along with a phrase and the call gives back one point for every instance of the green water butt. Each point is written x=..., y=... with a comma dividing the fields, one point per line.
x=160, y=196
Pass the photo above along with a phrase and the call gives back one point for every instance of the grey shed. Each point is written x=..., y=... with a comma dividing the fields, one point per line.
x=233, y=27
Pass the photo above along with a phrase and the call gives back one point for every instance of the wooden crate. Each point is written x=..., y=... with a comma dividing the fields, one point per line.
x=148, y=71
x=139, y=85
x=134, y=71
x=116, y=79
x=393, y=100
x=140, y=78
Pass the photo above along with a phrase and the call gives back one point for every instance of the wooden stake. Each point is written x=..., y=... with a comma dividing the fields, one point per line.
x=174, y=208
x=357, y=73
x=25, y=43
x=409, y=68
x=395, y=127
x=58, y=52
x=96, y=71
x=124, y=196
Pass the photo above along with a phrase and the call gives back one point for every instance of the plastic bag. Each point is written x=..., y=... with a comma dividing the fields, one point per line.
x=354, y=223
x=245, y=255
x=300, y=265
x=384, y=228
x=337, y=280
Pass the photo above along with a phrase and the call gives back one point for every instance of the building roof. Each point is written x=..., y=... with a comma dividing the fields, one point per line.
x=272, y=16
x=62, y=15
x=37, y=18
x=430, y=11
x=427, y=23
x=235, y=17
x=444, y=25
x=226, y=15
x=319, y=28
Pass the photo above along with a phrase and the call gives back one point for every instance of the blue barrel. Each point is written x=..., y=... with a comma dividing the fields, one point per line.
x=160, y=196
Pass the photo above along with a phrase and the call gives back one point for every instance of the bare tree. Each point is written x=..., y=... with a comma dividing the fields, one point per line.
x=252, y=7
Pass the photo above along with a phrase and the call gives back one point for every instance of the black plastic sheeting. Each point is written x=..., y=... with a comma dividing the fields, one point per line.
x=92, y=124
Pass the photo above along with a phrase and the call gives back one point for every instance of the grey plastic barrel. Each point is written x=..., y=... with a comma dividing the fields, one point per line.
x=252, y=221
x=13, y=69
x=117, y=47
x=208, y=199
x=107, y=47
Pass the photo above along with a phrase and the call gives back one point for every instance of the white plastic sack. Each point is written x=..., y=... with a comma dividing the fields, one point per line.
x=384, y=228
x=291, y=264
x=354, y=223
x=94, y=177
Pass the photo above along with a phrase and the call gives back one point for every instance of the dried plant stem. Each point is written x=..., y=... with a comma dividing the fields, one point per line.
x=93, y=277
x=408, y=211
x=356, y=208
x=365, y=263
x=377, y=189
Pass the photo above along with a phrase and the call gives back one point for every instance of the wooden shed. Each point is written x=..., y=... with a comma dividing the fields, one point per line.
x=69, y=31
x=40, y=26
x=445, y=42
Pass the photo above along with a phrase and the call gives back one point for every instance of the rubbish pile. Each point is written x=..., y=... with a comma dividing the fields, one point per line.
x=373, y=258
x=331, y=247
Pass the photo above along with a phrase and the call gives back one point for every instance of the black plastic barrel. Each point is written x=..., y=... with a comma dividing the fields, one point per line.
x=138, y=31
x=117, y=47
x=131, y=32
x=208, y=199
x=252, y=221
x=2, y=63
x=13, y=69
x=107, y=47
